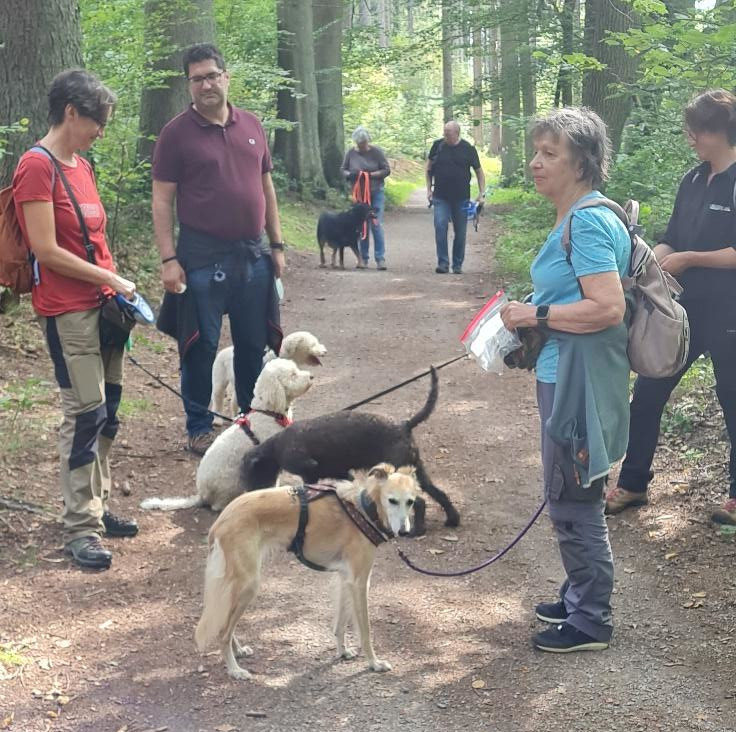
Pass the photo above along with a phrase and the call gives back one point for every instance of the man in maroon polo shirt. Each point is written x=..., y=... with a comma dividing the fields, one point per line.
x=213, y=159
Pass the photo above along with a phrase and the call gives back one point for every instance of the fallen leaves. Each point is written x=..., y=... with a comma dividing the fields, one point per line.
x=449, y=538
x=697, y=600
x=225, y=728
x=436, y=551
x=479, y=684
x=7, y=721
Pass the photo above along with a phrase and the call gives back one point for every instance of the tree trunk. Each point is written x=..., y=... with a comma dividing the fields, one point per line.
x=38, y=39
x=299, y=147
x=447, y=91
x=365, y=16
x=599, y=92
x=409, y=18
x=171, y=26
x=328, y=73
x=494, y=66
x=528, y=83
x=510, y=96
x=383, y=23
x=478, y=84
x=563, y=95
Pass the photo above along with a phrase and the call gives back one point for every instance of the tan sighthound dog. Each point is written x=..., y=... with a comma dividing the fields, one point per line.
x=259, y=522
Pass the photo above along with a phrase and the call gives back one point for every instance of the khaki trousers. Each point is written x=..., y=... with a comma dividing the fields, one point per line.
x=90, y=379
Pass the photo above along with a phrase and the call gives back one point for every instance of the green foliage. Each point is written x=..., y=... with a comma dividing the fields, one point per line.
x=19, y=127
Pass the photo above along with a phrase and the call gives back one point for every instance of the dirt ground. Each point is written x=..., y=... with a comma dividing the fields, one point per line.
x=114, y=651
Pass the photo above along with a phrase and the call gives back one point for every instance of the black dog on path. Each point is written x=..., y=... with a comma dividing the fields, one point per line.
x=334, y=444
x=341, y=231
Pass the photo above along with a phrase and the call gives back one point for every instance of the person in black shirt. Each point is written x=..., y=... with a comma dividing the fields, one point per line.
x=448, y=166
x=698, y=249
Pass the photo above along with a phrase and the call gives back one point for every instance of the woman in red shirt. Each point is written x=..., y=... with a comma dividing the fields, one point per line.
x=67, y=292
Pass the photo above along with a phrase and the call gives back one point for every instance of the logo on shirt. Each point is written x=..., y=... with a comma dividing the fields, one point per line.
x=716, y=207
x=251, y=141
x=90, y=210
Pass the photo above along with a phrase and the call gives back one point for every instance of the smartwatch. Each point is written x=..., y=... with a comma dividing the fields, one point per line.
x=542, y=315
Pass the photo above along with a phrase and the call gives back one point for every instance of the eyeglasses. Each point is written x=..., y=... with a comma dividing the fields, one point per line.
x=213, y=77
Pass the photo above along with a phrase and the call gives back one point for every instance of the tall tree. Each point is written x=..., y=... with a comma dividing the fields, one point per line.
x=494, y=66
x=527, y=32
x=447, y=86
x=478, y=84
x=171, y=26
x=38, y=38
x=328, y=18
x=605, y=90
x=563, y=92
x=510, y=92
x=299, y=146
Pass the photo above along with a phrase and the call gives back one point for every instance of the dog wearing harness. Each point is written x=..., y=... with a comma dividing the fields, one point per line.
x=279, y=384
x=335, y=527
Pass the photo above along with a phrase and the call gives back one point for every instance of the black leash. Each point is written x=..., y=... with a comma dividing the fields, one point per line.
x=482, y=565
x=403, y=383
x=174, y=391
x=345, y=409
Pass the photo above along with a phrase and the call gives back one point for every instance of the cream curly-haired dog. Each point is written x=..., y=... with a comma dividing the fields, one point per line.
x=261, y=522
x=301, y=347
x=279, y=384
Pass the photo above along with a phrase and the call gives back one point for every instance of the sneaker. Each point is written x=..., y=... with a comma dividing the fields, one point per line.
x=618, y=498
x=199, y=444
x=564, y=638
x=381, y=264
x=457, y=270
x=441, y=270
x=116, y=526
x=726, y=514
x=551, y=612
x=87, y=551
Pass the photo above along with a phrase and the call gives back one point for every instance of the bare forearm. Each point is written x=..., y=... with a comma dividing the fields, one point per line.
x=585, y=316
x=163, y=228
x=719, y=259
x=662, y=250
x=481, y=181
x=273, y=222
x=65, y=263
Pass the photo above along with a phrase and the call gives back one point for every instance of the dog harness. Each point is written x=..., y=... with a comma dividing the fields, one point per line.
x=244, y=423
x=366, y=520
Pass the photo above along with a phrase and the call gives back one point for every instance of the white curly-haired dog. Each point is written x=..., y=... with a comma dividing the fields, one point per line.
x=301, y=347
x=218, y=474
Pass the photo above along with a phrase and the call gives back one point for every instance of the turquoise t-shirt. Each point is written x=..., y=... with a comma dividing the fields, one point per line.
x=600, y=243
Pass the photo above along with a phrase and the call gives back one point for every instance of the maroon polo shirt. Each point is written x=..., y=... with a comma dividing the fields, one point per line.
x=217, y=171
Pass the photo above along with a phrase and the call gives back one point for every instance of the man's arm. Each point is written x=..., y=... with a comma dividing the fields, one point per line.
x=677, y=262
x=481, y=176
x=172, y=274
x=273, y=224
x=428, y=176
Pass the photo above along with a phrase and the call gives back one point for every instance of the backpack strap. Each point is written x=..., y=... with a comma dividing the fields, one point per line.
x=606, y=203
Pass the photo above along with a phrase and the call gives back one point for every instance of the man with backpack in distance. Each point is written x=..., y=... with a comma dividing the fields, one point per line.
x=213, y=158
x=448, y=169
x=697, y=249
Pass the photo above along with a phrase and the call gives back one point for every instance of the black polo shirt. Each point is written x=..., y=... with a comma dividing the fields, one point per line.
x=704, y=220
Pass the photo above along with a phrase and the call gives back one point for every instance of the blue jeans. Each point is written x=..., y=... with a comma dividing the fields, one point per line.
x=246, y=303
x=378, y=201
x=444, y=212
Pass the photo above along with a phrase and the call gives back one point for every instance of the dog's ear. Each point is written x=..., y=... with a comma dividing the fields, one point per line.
x=381, y=471
x=408, y=470
x=270, y=393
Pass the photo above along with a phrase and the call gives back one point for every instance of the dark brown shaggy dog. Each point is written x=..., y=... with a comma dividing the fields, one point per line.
x=334, y=444
x=342, y=230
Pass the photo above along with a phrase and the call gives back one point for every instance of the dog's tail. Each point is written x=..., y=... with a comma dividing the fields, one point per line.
x=216, y=604
x=171, y=504
x=429, y=405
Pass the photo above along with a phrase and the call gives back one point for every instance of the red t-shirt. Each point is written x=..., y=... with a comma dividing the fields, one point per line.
x=218, y=172
x=56, y=294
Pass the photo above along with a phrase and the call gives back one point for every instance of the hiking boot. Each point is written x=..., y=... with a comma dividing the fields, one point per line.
x=551, y=612
x=441, y=270
x=87, y=551
x=564, y=638
x=618, y=498
x=457, y=270
x=726, y=514
x=116, y=526
x=381, y=264
x=199, y=444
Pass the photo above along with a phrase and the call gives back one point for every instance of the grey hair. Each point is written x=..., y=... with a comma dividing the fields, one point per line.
x=587, y=136
x=361, y=135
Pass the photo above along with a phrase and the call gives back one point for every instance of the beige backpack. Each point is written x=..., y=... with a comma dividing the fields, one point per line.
x=659, y=332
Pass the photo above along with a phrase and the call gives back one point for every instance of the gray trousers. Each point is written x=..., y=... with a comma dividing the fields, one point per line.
x=582, y=534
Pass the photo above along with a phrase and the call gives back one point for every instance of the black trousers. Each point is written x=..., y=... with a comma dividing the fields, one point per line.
x=712, y=330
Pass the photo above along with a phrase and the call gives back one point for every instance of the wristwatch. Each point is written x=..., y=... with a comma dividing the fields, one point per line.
x=279, y=245
x=542, y=315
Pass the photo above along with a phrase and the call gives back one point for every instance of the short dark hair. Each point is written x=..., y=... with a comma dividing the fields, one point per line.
x=713, y=111
x=202, y=52
x=84, y=91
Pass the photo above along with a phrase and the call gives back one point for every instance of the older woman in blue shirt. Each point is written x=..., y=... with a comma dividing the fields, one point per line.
x=579, y=303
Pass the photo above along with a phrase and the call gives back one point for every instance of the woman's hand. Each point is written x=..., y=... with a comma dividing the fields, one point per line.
x=173, y=277
x=519, y=315
x=676, y=263
x=125, y=287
